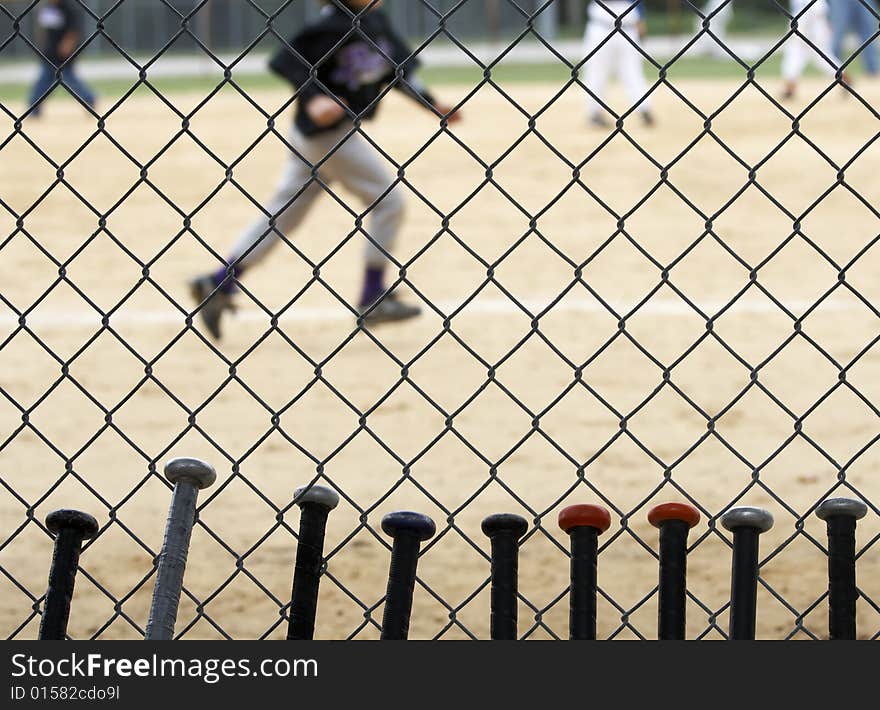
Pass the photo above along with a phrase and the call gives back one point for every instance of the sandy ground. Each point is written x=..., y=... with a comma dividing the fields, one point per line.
x=492, y=414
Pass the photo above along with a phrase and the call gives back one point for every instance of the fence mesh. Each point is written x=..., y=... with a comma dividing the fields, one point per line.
x=622, y=314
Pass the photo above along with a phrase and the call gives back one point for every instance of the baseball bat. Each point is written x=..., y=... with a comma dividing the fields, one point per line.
x=70, y=528
x=316, y=502
x=408, y=530
x=189, y=476
x=583, y=524
x=674, y=521
x=746, y=524
x=840, y=516
x=504, y=531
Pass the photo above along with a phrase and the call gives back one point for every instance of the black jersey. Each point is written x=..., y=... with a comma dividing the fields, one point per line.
x=353, y=63
x=56, y=20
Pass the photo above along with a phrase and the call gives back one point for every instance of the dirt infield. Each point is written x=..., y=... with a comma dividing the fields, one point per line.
x=710, y=428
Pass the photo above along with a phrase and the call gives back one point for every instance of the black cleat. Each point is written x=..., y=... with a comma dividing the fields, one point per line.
x=597, y=120
x=388, y=309
x=648, y=119
x=211, y=302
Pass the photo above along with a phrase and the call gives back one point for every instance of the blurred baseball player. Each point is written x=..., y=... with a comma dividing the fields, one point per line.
x=59, y=25
x=812, y=23
x=860, y=16
x=616, y=52
x=718, y=13
x=352, y=63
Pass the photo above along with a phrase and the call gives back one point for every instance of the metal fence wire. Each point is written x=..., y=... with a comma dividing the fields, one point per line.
x=619, y=314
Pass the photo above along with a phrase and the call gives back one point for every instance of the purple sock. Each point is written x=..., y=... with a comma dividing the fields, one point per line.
x=222, y=279
x=374, y=285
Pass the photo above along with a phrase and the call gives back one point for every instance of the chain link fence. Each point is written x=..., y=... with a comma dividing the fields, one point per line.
x=142, y=27
x=679, y=306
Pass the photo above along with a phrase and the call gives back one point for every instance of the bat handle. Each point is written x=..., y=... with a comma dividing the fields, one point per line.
x=316, y=502
x=189, y=476
x=841, y=516
x=746, y=524
x=674, y=521
x=584, y=524
x=408, y=530
x=70, y=528
x=504, y=531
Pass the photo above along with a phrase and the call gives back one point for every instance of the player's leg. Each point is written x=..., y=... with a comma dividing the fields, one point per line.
x=795, y=52
x=296, y=192
x=597, y=69
x=73, y=82
x=866, y=26
x=630, y=66
x=794, y=61
x=719, y=14
x=43, y=84
x=839, y=14
x=818, y=30
x=361, y=170
x=293, y=197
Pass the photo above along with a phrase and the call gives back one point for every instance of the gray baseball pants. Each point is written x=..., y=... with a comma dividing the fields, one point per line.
x=354, y=164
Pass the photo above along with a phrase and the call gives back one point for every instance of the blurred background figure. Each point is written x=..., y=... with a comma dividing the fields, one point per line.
x=858, y=16
x=611, y=51
x=59, y=27
x=814, y=29
x=718, y=13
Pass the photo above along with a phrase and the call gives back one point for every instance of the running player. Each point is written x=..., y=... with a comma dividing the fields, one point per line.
x=59, y=23
x=814, y=27
x=340, y=68
x=611, y=51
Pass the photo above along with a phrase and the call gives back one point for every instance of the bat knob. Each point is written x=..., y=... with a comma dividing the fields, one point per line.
x=584, y=516
x=82, y=523
x=505, y=524
x=409, y=524
x=187, y=470
x=747, y=517
x=318, y=495
x=665, y=512
x=842, y=508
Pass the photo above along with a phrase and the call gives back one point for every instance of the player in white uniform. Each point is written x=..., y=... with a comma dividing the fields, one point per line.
x=718, y=13
x=611, y=51
x=813, y=24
